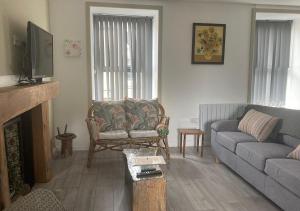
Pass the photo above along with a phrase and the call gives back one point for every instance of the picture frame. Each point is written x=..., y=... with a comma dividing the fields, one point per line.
x=208, y=44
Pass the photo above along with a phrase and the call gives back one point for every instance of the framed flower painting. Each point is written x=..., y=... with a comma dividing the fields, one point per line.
x=208, y=43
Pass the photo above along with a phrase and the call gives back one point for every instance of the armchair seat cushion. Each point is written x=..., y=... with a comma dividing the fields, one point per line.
x=114, y=134
x=143, y=133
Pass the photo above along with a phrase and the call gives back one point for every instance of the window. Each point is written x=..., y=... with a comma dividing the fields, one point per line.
x=271, y=62
x=124, y=53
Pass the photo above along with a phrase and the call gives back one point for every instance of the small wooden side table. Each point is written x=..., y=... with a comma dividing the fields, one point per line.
x=66, y=143
x=190, y=131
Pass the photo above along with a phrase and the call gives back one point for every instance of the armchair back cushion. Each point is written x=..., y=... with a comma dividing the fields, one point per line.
x=142, y=114
x=110, y=115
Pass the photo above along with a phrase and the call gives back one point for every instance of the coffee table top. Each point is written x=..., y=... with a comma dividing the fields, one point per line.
x=132, y=153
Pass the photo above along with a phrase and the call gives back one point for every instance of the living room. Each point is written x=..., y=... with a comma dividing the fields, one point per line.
x=163, y=61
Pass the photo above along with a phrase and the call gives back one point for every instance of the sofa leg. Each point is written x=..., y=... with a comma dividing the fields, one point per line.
x=217, y=160
x=91, y=154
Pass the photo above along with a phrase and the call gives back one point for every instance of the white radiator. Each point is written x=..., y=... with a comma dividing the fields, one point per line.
x=209, y=113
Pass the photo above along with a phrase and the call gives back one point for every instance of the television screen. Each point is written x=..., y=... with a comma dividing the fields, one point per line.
x=40, y=52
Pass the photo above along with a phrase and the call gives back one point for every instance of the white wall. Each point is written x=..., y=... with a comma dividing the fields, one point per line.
x=184, y=85
x=14, y=15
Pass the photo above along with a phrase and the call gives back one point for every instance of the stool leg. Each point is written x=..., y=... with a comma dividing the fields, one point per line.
x=202, y=144
x=183, y=150
x=180, y=143
x=198, y=142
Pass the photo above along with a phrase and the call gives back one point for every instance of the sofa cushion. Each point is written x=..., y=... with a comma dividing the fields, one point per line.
x=143, y=133
x=110, y=115
x=142, y=114
x=114, y=134
x=258, y=124
x=229, y=140
x=286, y=172
x=256, y=153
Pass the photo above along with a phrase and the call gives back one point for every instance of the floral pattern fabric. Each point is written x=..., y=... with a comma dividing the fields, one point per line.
x=142, y=114
x=14, y=162
x=110, y=116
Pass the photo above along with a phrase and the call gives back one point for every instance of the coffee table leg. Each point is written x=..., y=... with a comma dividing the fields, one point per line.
x=183, y=150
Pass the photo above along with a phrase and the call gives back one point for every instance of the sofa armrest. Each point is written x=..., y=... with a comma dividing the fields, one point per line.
x=225, y=125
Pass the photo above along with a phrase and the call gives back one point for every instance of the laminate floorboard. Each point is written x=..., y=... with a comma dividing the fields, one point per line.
x=193, y=184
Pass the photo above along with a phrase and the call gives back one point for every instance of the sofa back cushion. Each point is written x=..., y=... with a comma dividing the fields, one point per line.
x=110, y=115
x=289, y=119
x=258, y=124
x=142, y=114
x=290, y=141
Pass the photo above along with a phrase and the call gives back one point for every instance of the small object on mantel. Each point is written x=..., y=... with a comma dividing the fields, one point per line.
x=66, y=141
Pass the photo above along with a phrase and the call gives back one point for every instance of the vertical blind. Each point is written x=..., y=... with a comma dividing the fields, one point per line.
x=271, y=63
x=122, y=57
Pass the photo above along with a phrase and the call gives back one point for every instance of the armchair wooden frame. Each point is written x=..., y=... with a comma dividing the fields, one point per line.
x=118, y=144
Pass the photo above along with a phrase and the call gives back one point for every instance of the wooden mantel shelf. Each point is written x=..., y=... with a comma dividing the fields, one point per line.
x=15, y=100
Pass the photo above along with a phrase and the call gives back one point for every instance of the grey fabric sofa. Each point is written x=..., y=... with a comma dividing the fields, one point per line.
x=263, y=165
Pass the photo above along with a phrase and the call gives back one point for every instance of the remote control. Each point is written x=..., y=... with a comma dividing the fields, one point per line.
x=148, y=174
x=148, y=169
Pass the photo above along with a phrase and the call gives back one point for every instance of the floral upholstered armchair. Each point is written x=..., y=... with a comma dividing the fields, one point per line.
x=115, y=124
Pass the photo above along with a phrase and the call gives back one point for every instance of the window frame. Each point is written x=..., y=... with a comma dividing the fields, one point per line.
x=91, y=7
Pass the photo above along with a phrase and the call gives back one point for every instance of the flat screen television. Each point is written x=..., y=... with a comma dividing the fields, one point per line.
x=39, y=53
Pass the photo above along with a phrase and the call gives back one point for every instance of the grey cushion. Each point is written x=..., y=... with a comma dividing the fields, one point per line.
x=289, y=123
x=286, y=172
x=256, y=153
x=225, y=125
x=143, y=133
x=230, y=139
x=290, y=141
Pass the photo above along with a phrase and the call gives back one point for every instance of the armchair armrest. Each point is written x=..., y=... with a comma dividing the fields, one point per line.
x=225, y=125
x=94, y=128
x=163, y=127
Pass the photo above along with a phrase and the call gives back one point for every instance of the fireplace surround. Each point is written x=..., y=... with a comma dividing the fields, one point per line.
x=33, y=101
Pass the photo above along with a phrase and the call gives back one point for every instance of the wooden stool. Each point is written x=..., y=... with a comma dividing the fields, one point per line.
x=66, y=143
x=186, y=131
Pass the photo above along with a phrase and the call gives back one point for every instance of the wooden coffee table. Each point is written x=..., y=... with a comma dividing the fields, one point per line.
x=146, y=194
x=190, y=131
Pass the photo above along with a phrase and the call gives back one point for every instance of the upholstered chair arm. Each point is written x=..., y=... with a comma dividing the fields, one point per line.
x=163, y=127
x=225, y=125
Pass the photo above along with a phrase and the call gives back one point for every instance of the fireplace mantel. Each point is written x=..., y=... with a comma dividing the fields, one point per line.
x=14, y=101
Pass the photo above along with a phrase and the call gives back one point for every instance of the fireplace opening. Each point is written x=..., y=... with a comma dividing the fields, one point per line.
x=19, y=154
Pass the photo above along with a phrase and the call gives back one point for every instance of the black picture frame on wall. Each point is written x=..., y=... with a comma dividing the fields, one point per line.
x=208, y=43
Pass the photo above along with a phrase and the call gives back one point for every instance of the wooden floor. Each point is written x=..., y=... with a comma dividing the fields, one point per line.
x=193, y=183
